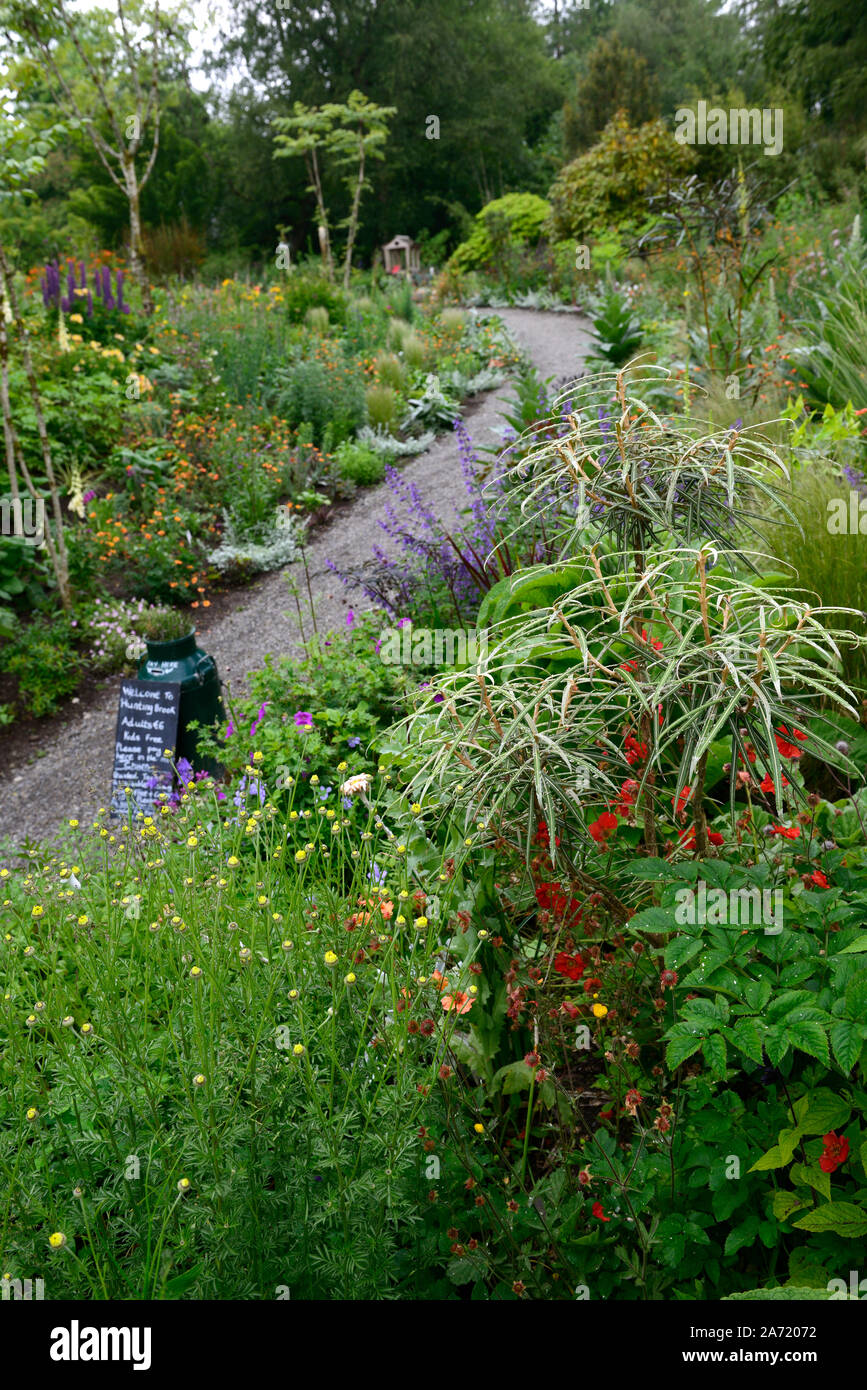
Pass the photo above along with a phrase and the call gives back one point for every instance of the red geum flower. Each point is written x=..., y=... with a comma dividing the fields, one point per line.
x=687, y=838
x=668, y=979
x=569, y=1009
x=591, y=984
x=598, y=1212
x=602, y=827
x=819, y=879
x=628, y=792
x=789, y=832
x=767, y=784
x=632, y=1100
x=836, y=1151
x=635, y=752
x=571, y=966
x=785, y=747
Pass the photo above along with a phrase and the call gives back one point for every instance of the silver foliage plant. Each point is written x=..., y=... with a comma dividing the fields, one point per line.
x=670, y=635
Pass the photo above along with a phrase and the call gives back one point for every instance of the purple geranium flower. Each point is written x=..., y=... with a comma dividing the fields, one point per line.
x=303, y=719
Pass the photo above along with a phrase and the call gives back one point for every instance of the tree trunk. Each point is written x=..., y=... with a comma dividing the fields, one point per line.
x=136, y=248
x=353, y=218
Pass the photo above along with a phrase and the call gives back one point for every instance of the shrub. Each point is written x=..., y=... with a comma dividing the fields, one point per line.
x=43, y=662
x=503, y=224
x=305, y=290
x=359, y=463
x=609, y=185
x=322, y=398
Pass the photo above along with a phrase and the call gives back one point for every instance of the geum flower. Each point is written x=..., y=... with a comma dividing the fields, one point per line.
x=572, y=967
x=602, y=827
x=836, y=1151
x=786, y=748
x=458, y=1003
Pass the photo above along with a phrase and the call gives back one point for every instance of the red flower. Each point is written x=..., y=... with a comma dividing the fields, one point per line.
x=836, y=1151
x=571, y=966
x=685, y=794
x=628, y=793
x=668, y=979
x=687, y=838
x=599, y=1213
x=790, y=832
x=632, y=1100
x=542, y=836
x=819, y=879
x=591, y=984
x=603, y=827
x=569, y=1009
x=635, y=752
x=787, y=749
x=768, y=782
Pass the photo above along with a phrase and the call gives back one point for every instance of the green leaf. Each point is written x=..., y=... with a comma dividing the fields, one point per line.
x=811, y=1175
x=745, y=1035
x=653, y=919
x=757, y=993
x=846, y=1040
x=843, y=1218
x=856, y=947
x=785, y=1203
x=792, y=1291
x=776, y=1045
x=809, y=1038
x=714, y=1051
x=826, y=1111
x=772, y=1159
x=684, y=1040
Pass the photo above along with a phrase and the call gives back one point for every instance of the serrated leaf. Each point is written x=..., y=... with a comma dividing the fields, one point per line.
x=757, y=993
x=683, y=1042
x=653, y=919
x=772, y=1159
x=810, y=1038
x=714, y=1052
x=682, y=949
x=745, y=1035
x=856, y=947
x=811, y=1175
x=842, y=1218
x=825, y=1111
x=785, y=1203
x=776, y=1045
x=846, y=1040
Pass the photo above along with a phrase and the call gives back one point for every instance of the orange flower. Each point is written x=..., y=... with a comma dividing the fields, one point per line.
x=458, y=1002
x=440, y=980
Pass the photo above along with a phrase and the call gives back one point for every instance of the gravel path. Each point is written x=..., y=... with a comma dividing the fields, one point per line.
x=73, y=774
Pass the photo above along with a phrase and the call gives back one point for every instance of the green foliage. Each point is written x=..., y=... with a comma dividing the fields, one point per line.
x=609, y=185
x=305, y=290
x=360, y=464
x=44, y=663
x=501, y=226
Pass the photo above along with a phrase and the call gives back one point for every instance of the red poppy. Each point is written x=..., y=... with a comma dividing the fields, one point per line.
x=598, y=1212
x=836, y=1151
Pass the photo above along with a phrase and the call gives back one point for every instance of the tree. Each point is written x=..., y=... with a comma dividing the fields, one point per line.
x=116, y=104
x=617, y=79
x=22, y=156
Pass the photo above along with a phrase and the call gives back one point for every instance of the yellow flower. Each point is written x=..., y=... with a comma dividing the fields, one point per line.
x=300, y=854
x=37, y=911
x=199, y=1079
x=233, y=861
x=191, y=841
x=480, y=1129
x=415, y=807
x=57, y=1240
x=196, y=972
x=330, y=958
x=32, y=1113
x=350, y=978
x=86, y=1028
x=599, y=1010
x=74, y=824
x=421, y=923
x=298, y=1049
x=183, y=1185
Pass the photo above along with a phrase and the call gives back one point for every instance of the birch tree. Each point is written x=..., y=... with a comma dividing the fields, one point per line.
x=119, y=95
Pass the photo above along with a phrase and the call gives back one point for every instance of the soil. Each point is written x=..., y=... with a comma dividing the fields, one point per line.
x=53, y=769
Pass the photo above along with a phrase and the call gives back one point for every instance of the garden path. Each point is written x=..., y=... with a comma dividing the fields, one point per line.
x=72, y=775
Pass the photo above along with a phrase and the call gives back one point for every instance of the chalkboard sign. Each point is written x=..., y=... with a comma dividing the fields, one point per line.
x=147, y=727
